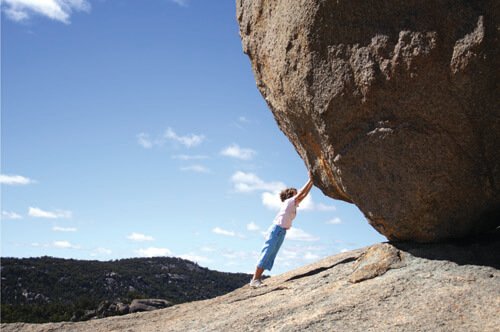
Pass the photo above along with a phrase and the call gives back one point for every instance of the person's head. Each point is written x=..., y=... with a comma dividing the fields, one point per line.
x=287, y=193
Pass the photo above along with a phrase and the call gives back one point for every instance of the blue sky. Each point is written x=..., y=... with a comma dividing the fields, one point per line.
x=135, y=128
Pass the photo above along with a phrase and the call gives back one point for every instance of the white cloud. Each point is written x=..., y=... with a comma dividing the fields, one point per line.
x=297, y=234
x=189, y=157
x=248, y=182
x=10, y=215
x=64, y=245
x=63, y=229
x=196, y=258
x=188, y=141
x=253, y=227
x=182, y=3
x=235, y=151
x=100, y=251
x=289, y=254
x=309, y=205
x=58, y=10
x=220, y=231
x=152, y=252
x=196, y=169
x=138, y=237
x=344, y=250
x=207, y=249
x=334, y=221
x=243, y=119
x=239, y=255
x=39, y=213
x=271, y=200
x=310, y=256
x=144, y=140
x=14, y=180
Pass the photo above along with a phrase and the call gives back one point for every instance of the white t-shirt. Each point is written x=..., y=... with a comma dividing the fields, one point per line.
x=287, y=213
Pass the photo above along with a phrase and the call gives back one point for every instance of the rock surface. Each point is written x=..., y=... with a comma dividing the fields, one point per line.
x=392, y=104
x=138, y=305
x=385, y=287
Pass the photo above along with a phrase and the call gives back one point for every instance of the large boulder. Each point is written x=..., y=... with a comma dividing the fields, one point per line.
x=393, y=105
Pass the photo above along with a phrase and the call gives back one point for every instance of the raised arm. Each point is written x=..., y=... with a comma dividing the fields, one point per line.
x=304, y=191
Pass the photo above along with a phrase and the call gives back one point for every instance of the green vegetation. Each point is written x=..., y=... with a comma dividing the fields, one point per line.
x=48, y=289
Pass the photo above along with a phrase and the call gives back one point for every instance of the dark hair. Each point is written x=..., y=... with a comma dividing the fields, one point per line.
x=287, y=193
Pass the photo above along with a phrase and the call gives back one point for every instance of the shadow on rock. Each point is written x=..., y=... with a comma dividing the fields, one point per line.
x=477, y=250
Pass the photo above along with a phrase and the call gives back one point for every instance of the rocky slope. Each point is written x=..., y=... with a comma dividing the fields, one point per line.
x=385, y=287
x=392, y=104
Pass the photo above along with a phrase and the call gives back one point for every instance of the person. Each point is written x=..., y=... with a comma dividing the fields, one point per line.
x=290, y=199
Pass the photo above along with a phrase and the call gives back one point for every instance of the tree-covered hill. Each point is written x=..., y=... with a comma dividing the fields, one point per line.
x=52, y=289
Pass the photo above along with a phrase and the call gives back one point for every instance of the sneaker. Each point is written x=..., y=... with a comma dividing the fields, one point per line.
x=255, y=283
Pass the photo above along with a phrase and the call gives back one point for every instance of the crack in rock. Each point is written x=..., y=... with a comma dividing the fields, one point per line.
x=321, y=269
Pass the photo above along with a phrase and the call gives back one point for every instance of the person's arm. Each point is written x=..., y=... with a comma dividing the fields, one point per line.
x=304, y=191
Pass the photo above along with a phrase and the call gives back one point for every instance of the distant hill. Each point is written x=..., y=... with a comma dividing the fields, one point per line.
x=48, y=289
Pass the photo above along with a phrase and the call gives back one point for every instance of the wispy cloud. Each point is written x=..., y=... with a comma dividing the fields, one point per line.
x=144, y=140
x=271, y=200
x=10, y=215
x=249, y=182
x=58, y=10
x=220, y=231
x=64, y=229
x=297, y=234
x=239, y=255
x=64, y=245
x=57, y=214
x=138, y=237
x=196, y=258
x=188, y=141
x=15, y=180
x=310, y=256
x=235, y=151
x=253, y=227
x=195, y=168
x=334, y=221
x=182, y=3
x=101, y=252
x=189, y=157
x=207, y=249
x=152, y=252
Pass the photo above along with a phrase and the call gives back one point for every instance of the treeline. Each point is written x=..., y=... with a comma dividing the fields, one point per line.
x=48, y=289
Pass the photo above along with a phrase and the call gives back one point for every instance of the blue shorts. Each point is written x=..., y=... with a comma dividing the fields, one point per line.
x=271, y=246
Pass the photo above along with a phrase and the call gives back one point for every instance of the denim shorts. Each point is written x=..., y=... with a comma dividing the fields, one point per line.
x=274, y=239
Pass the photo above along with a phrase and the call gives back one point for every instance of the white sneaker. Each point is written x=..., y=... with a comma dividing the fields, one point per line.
x=255, y=283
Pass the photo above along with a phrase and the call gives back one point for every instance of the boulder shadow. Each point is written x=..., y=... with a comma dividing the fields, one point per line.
x=483, y=250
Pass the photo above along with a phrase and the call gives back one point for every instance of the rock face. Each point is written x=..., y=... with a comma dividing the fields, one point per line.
x=385, y=287
x=394, y=105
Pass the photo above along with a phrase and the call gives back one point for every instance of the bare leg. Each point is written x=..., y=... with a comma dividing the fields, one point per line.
x=258, y=273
